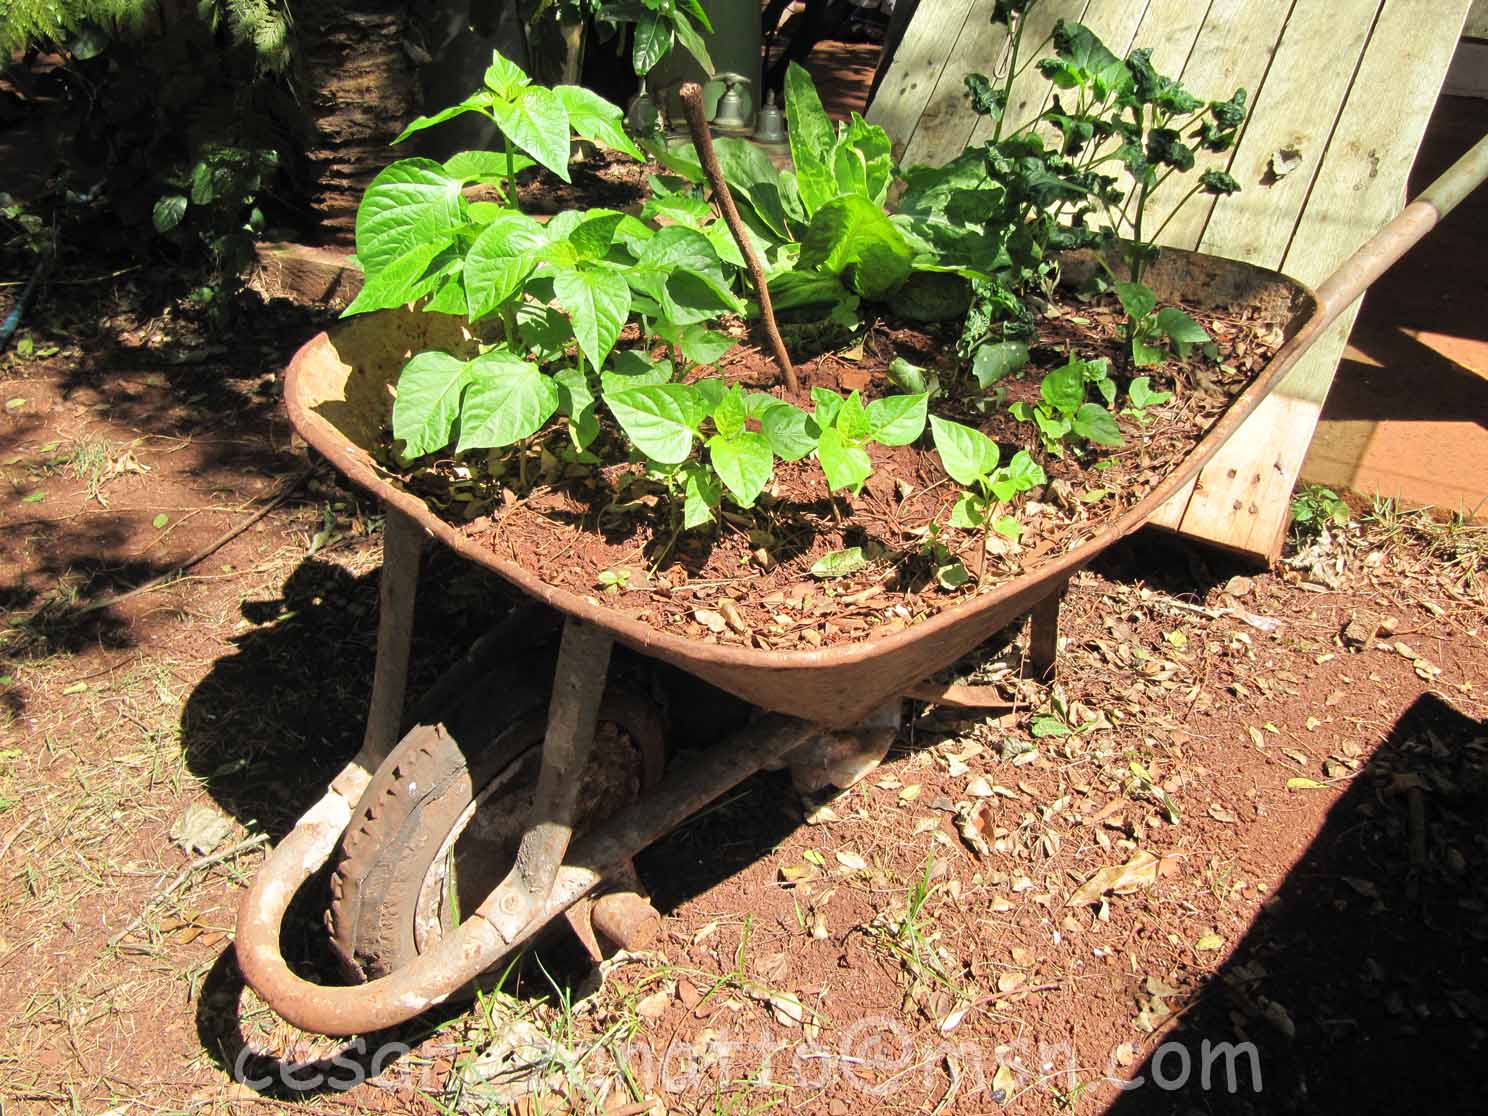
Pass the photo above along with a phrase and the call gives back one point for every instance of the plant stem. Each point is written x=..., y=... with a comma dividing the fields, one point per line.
x=1007, y=84
x=511, y=174
x=1181, y=203
x=702, y=139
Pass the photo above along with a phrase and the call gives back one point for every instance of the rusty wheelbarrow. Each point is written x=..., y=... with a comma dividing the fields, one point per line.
x=542, y=790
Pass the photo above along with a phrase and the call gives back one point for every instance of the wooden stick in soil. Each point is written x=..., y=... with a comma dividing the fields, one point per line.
x=702, y=139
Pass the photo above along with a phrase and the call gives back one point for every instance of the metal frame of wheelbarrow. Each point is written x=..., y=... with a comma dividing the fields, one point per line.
x=552, y=870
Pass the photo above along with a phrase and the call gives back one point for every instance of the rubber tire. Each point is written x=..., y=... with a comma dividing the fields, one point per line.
x=413, y=802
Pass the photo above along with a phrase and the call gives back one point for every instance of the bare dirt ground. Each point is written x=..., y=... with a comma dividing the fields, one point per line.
x=1252, y=811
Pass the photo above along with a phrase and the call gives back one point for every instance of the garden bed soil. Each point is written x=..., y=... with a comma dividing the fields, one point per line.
x=608, y=534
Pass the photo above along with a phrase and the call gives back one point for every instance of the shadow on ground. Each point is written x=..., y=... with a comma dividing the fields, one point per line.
x=1361, y=985
x=271, y=723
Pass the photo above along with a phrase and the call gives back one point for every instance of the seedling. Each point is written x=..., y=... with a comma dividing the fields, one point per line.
x=1147, y=326
x=1140, y=397
x=1064, y=416
x=970, y=458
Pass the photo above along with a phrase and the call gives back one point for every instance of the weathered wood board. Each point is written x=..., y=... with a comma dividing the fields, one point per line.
x=1348, y=85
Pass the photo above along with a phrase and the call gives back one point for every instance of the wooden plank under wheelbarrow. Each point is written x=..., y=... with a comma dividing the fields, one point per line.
x=1348, y=84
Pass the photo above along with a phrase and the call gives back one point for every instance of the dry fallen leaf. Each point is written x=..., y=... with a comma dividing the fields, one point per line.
x=1142, y=870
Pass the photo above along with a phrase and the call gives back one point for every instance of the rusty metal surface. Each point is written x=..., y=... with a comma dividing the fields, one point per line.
x=475, y=945
x=336, y=392
x=573, y=715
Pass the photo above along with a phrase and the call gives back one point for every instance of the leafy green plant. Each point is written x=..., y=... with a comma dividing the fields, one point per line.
x=660, y=25
x=217, y=202
x=1147, y=326
x=1315, y=508
x=1029, y=200
x=1064, y=414
x=970, y=458
x=843, y=429
x=1140, y=398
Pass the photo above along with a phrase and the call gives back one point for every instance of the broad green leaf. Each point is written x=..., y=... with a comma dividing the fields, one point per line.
x=1095, y=424
x=169, y=212
x=966, y=455
x=576, y=400
x=598, y=302
x=811, y=140
x=1142, y=396
x=476, y=102
x=912, y=379
x=1182, y=330
x=544, y=330
x=702, y=493
x=839, y=563
x=501, y=258
x=854, y=238
x=1137, y=299
x=537, y=122
x=653, y=38
x=1144, y=353
x=657, y=419
x=1053, y=427
x=828, y=403
x=897, y=420
x=1019, y=475
x=702, y=345
x=712, y=393
x=632, y=368
x=1008, y=527
x=508, y=400
x=788, y=430
x=595, y=118
x=695, y=9
x=729, y=412
x=744, y=464
x=505, y=78
x=411, y=205
x=969, y=511
x=592, y=237
x=852, y=417
x=1064, y=388
x=680, y=209
x=428, y=402
x=449, y=294
x=997, y=359
x=408, y=278
x=484, y=166
x=845, y=465
x=863, y=160
x=682, y=272
x=1093, y=63
x=749, y=171
x=692, y=42
x=952, y=575
x=934, y=191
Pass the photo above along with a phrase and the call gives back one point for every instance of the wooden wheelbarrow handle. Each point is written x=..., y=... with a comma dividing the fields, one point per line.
x=1357, y=273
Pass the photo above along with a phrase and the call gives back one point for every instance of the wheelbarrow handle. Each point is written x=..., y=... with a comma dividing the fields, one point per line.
x=1357, y=273
x=476, y=944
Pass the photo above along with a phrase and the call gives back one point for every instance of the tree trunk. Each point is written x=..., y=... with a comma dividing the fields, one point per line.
x=360, y=89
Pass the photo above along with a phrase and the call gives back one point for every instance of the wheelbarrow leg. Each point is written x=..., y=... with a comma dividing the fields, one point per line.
x=1043, y=633
x=402, y=544
x=573, y=715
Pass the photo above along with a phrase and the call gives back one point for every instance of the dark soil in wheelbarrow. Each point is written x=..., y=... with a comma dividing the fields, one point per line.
x=609, y=534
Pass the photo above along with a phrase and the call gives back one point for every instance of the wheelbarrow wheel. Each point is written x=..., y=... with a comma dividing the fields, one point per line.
x=440, y=822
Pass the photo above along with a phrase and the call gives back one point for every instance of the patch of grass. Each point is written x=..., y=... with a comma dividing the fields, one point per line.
x=1460, y=544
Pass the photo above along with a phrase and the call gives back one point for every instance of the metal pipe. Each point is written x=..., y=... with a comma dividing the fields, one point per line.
x=573, y=715
x=475, y=945
x=1357, y=273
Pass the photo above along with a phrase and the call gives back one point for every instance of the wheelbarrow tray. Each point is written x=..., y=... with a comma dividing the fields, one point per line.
x=336, y=391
